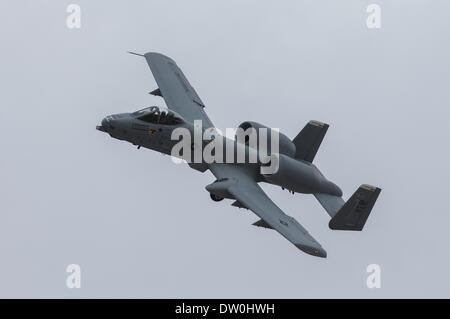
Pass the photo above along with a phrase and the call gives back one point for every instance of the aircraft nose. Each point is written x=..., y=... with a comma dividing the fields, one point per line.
x=115, y=123
x=107, y=124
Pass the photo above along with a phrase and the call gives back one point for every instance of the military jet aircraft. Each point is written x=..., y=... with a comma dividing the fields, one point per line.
x=152, y=128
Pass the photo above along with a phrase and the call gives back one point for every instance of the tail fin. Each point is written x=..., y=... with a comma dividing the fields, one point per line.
x=350, y=215
x=309, y=139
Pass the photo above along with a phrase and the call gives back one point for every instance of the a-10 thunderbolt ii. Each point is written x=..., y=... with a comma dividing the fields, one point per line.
x=152, y=128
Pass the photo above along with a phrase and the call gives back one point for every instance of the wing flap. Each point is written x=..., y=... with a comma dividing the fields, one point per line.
x=176, y=90
x=244, y=189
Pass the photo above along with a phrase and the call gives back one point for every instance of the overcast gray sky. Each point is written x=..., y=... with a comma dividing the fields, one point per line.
x=141, y=226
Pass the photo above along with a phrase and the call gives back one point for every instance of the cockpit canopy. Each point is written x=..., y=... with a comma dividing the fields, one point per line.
x=157, y=115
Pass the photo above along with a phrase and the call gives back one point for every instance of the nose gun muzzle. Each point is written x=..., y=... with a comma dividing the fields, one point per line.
x=106, y=125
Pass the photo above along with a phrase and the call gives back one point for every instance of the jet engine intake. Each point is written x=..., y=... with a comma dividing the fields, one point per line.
x=285, y=144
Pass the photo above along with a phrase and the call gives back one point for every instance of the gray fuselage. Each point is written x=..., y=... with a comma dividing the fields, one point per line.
x=292, y=174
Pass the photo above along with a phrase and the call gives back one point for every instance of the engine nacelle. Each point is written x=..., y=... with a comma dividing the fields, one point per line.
x=299, y=176
x=285, y=144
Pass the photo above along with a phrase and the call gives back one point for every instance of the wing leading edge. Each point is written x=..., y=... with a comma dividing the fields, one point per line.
x=176, y=90
x=245, y=190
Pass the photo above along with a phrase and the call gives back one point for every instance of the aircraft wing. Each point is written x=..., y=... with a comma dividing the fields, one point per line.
x=241, y=186
x=175, y=89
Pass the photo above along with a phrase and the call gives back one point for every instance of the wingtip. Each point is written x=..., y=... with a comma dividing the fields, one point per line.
x=316, y=252
x=157, y=55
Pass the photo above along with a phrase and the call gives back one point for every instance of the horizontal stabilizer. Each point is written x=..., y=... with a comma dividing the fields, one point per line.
x=332, y=204
x=307, y=142
x=354, y=213
x=262, y=223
